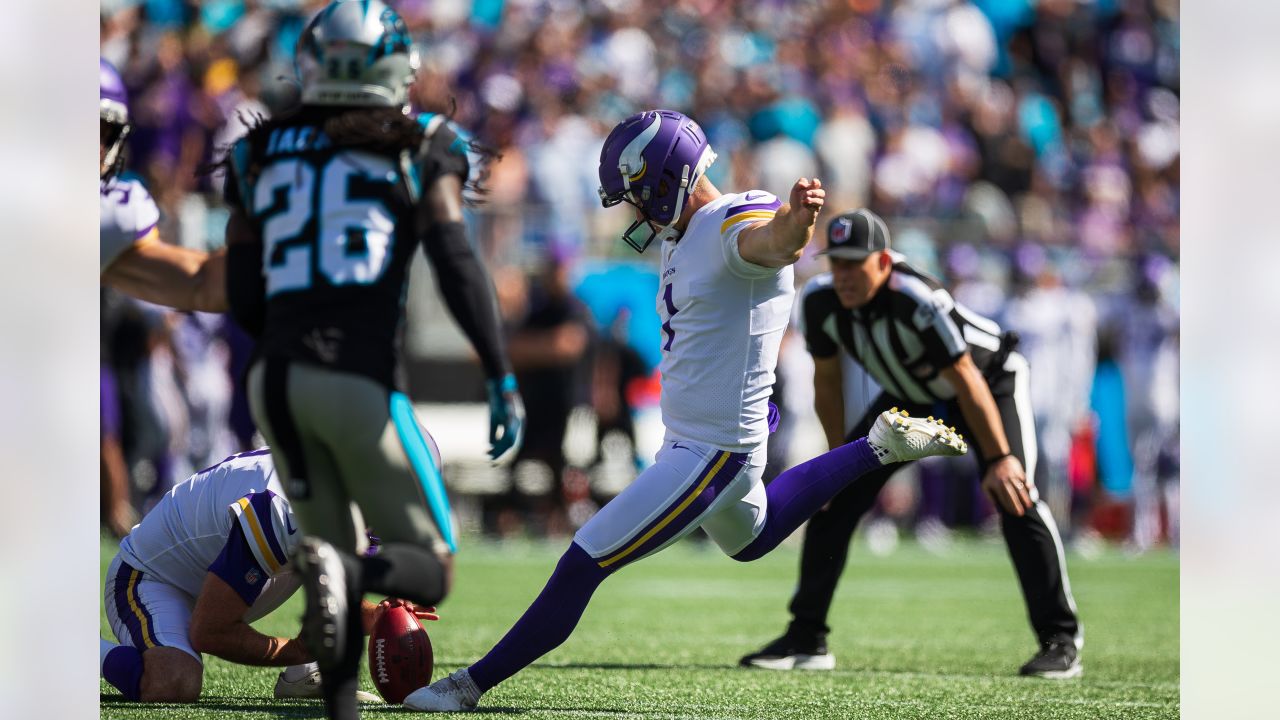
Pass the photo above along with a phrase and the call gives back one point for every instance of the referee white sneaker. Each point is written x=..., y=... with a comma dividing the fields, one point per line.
x=456, y=693
x=898, y=437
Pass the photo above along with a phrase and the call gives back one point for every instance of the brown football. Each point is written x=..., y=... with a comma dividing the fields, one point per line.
x=400, y=657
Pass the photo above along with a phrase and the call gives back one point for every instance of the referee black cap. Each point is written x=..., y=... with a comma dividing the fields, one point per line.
x=855, y=235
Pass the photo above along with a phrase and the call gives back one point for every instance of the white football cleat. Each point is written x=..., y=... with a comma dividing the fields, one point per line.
x=456, y=693
x=898, y=437
x=308, y=687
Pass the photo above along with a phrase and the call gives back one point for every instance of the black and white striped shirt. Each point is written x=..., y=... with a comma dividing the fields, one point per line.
x=905, y=336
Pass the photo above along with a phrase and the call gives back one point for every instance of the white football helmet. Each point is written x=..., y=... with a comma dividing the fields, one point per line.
x=356, y=52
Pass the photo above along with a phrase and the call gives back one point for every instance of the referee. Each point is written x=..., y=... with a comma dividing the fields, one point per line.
x=930, y=356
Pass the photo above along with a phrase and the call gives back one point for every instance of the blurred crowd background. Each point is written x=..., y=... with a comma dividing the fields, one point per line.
x=1026, y=152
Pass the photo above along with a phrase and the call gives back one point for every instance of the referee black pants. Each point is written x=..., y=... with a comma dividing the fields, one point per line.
x=1033, y=540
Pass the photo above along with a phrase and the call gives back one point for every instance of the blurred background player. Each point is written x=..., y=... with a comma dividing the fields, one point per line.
x=725, y=301
x=1057, y=329
x=929, y=355
x=329, y=203
x=137, y=261
x=134, y=258
x=211, y=558
x=548, y=348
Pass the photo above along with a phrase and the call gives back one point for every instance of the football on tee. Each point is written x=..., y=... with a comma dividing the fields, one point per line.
x=400, y=657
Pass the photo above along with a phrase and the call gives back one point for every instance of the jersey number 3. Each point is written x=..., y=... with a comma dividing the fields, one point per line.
x=353, y=236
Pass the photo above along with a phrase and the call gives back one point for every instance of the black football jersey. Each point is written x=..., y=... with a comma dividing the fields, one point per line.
x=339, y=227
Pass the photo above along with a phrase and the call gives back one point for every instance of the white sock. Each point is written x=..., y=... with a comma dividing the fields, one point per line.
x=294, y=673
x=104, y=647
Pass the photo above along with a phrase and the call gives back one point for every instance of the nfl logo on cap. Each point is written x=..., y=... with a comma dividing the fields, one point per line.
x=840, y=231
x=855, y=235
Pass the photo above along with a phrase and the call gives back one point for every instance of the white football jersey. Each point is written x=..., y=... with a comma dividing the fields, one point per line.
x=187, y=530
x=128, y=213
x=722, y=324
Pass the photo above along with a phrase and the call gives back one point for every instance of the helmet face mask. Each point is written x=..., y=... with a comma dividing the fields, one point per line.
x=653, y=161
x=113, y=119
x=356, y=54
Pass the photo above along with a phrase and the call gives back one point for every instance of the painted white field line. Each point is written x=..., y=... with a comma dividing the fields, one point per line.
x=953, y=676
x=711, y=712
x=1093, y=683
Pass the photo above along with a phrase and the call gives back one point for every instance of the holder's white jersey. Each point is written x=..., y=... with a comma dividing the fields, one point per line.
x=178, y=542
x=127, y=214
x=722, y=324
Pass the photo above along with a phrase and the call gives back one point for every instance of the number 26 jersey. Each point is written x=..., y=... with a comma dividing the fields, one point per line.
x=339, y=226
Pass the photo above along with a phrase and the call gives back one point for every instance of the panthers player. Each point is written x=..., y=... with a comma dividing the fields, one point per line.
x=210, y=558
x=133, y=258
x=329, y=204
x=727, y=287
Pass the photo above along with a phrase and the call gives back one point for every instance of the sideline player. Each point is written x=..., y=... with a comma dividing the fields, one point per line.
x=725, y=301
x=925, y=351
x=208, y=560
x=133, y=258
x=328, y=205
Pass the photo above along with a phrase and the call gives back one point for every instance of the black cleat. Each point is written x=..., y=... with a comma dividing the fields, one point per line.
x=786, y=653
x=1058, y=659
x=324, y=624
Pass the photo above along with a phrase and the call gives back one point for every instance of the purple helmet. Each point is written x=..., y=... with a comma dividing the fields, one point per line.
x=113, y=108
x=653, y=160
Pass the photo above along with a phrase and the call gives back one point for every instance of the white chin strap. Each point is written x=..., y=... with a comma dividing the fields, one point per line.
x=667, y=233
x=687, y=181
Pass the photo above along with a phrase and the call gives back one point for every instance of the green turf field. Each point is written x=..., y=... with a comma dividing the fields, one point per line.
x=916, y=636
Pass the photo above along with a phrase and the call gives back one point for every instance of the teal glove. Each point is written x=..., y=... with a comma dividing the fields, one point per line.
x=506, y=418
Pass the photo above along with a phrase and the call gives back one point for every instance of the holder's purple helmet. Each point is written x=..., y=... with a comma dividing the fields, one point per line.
x=653, y=160
x=113, y=112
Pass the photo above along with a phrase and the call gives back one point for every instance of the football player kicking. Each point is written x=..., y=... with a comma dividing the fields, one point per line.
x=329, y=204
x=727, y=287
x=134, y=260
x=210, y=558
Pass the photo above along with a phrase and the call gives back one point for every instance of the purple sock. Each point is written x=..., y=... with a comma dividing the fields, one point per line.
x=795, y=495
x=548, y=621
x=123, y=669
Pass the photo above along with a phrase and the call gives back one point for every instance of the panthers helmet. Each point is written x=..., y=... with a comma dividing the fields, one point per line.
x=652, y=161
x=113, y=113
x=358, y=53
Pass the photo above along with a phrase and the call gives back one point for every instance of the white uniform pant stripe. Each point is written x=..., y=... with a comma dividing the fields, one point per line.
x=1022, y=401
